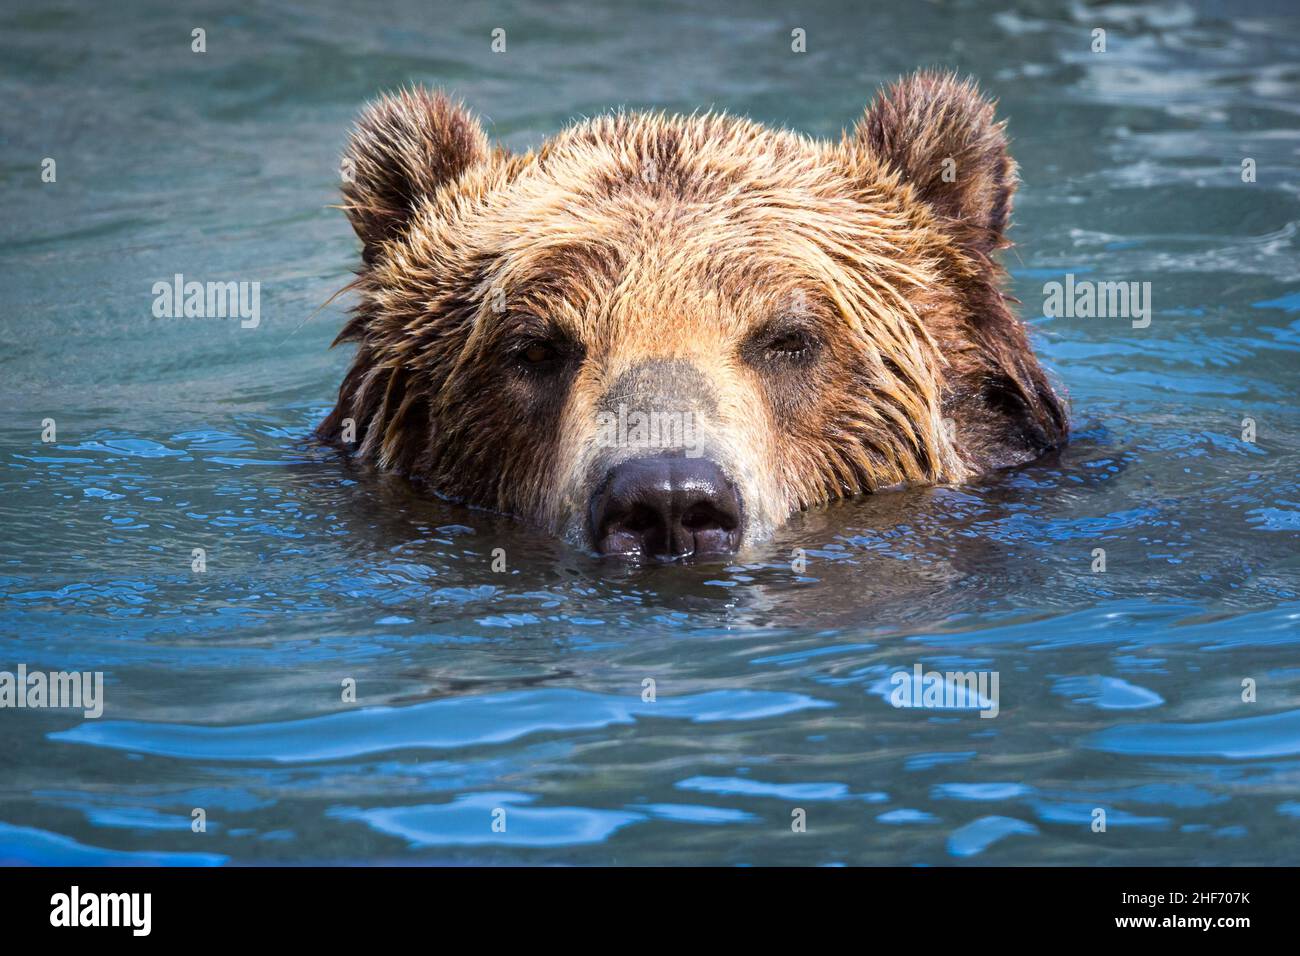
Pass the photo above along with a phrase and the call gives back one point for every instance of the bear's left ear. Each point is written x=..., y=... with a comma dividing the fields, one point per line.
x=404, y=147
x=940, y=135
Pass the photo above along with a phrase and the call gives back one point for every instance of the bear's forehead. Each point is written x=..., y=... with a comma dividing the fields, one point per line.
x=624, y=220
x=699, y=193
x=634, y=261
x=649, y=160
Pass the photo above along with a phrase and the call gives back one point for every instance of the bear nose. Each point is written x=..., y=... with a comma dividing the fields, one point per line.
x=666, y=506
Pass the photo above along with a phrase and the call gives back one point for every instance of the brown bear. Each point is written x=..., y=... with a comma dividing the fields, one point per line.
x=662, y=335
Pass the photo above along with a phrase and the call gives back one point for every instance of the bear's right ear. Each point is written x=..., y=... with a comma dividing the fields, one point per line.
x=404, y=147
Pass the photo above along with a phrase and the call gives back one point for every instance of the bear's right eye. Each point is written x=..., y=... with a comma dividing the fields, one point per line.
x=541, y=356
x=537, y=353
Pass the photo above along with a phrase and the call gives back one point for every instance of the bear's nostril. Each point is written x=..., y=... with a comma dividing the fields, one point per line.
x=640, y=519
x=670, y=506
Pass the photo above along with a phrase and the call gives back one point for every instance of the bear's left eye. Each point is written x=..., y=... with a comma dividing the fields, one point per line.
x=788, y=343
x=779, y=346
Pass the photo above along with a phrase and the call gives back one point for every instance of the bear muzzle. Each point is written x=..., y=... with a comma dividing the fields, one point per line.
x=666, y=506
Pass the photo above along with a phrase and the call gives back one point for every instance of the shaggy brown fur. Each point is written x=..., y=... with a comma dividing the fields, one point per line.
x=828, y=312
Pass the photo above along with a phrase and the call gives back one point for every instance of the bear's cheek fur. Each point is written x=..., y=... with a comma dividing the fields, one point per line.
x=494, y=436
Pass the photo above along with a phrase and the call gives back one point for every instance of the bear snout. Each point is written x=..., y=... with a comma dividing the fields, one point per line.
x=666, y=506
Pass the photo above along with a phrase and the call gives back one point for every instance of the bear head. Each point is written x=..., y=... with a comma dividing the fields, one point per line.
x=663, y=334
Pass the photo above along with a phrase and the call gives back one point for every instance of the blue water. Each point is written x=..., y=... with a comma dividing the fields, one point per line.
x=520, y=696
